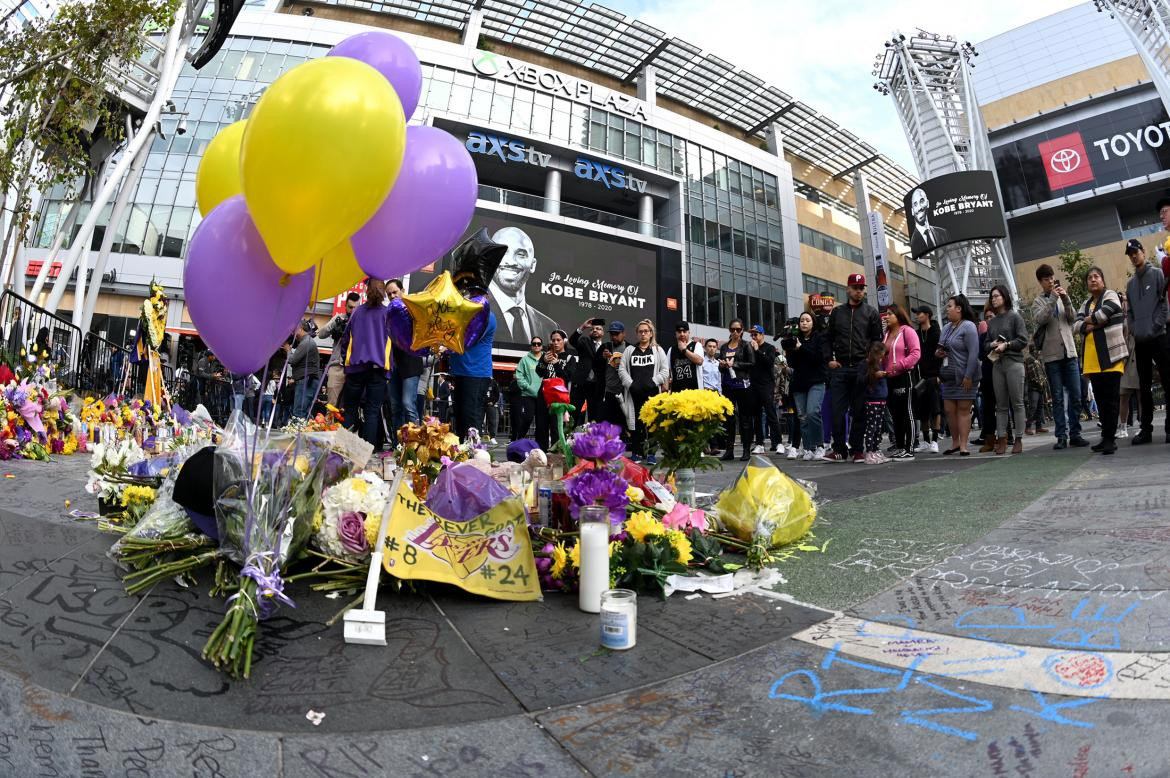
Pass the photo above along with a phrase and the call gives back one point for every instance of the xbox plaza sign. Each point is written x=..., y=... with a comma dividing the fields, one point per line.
x=493, y=65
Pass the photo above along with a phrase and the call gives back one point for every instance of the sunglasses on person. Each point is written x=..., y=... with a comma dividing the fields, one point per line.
x=735, y=329
x=536, y=344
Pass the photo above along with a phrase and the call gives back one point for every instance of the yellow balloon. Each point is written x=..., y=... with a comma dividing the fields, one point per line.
x=336, y=272
x=218, y=176
x=321, y=152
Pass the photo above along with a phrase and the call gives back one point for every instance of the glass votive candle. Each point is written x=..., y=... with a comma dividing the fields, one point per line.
x=619, y=619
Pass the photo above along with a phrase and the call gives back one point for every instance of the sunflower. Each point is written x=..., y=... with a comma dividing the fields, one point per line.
x=642, y=524
x=680, y=544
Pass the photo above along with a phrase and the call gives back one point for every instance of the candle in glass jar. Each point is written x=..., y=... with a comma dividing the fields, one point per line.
x=619, y=619
x=594, y=557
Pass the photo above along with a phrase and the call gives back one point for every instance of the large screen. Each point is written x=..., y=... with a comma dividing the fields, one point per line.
x=552, y=278
x=953, y=208
x=1107, y=148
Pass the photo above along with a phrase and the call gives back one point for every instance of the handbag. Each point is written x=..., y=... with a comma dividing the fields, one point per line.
x=553, y=390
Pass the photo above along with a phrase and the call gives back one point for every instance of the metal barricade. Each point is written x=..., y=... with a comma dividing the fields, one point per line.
x=103, y=365
x=30, y=331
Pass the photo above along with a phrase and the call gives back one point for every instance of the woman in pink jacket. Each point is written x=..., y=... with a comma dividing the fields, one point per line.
x=902, y=355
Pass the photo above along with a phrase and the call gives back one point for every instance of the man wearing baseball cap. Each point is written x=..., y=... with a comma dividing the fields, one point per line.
x=685, y=359
x=1148, y=311
x=764, y=387
x=852, y=328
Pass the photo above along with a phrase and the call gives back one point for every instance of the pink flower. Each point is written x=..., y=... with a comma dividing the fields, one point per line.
x=351, y=529
x=685, y=517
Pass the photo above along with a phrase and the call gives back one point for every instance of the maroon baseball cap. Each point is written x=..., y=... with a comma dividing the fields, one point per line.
x=856, y=279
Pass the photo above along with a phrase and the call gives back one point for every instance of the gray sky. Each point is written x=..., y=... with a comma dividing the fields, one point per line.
x=822, y=51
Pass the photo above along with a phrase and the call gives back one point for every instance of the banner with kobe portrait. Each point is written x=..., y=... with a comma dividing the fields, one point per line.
x=554, y=278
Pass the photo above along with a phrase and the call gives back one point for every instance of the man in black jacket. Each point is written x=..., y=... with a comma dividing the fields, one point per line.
x=853, y=327
x=588, y=377
x=927, y=402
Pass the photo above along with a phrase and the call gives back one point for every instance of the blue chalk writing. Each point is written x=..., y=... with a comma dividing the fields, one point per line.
x=1050, y=711
x=916, y=716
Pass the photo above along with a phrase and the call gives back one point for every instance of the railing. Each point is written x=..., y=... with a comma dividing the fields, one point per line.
x=533, y=202
x=29, y=329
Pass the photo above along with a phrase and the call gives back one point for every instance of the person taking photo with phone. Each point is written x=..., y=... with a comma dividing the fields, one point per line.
x=1054, y=314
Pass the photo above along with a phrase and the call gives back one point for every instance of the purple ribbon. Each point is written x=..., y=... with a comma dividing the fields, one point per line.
x=269, y=585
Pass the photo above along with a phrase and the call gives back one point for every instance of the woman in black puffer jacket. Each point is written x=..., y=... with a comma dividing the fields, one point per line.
x=806, y=358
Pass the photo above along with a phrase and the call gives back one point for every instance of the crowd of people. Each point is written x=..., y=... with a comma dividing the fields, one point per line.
x=837, y=384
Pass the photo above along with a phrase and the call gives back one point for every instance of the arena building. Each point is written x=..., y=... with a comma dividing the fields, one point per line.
x=1080, y=137
x=645, y=177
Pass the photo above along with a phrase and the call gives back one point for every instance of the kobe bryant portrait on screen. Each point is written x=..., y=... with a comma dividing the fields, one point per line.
x=923, y=235
x=508, y=289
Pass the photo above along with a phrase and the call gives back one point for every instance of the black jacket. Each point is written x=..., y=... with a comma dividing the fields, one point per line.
x=929, y=364
x=850, y=333
x=807, y=362
x=563, y=368
x=588, y=358
x=765, y=360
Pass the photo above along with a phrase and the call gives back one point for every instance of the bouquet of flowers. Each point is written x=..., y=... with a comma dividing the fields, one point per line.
x=109, y=469
x=593, y=481
x=268, y=493
x=352, y=511
x=682, y=424
x=424, y=449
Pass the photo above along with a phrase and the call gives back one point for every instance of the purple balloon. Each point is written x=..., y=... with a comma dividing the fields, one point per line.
x=427, y=211
x=243, y=305
x=392, y=57
x=402, y=327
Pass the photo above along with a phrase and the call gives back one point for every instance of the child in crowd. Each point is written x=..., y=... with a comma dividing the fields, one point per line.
x=875, y=403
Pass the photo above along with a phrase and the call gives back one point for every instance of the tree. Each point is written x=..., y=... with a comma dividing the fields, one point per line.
x=1074, y=263
x=56, y=82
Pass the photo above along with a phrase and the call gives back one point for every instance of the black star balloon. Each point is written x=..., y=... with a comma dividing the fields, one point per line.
x=475, y=261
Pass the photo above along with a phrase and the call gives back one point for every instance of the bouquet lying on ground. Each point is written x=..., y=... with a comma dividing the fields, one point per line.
x=268, y=494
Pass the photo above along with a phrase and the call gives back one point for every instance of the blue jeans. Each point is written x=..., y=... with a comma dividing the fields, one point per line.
x=1064, y=375
x=303, y=398
x=403, y=396
x=238, y=402
x=808, y=410
x=266, y=403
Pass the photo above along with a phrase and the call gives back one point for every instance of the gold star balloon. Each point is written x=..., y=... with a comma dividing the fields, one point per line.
x=440, y=314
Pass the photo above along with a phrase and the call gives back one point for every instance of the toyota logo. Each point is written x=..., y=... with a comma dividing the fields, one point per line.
x=1065, y=161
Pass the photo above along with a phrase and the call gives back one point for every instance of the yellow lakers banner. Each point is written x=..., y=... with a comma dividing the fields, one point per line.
x=490, y=555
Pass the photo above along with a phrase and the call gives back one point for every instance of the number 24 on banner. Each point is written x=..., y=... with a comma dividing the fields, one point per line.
x=490, y=555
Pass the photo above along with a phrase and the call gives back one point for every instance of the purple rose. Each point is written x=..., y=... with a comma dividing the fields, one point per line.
x=351, y=528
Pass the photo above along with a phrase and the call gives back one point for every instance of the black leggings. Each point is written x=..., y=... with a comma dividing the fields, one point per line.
x=746, y=410
x=899, y=404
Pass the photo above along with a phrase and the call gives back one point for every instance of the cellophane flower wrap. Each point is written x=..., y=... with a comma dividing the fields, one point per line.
x=268, y=491
x=682, y=424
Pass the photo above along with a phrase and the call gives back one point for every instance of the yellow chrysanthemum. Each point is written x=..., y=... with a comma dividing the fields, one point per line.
x=642, y=524
x=371, y=527
x=680, y=544
x=575, y=556
x=359, y=485
x=559, y=558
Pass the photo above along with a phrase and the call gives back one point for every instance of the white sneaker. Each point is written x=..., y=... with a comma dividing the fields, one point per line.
x=809, y=455
x=921, y=447
x=1122, y=431
x=758, y=449
x=781, y=449
x=819, y=454
x=933, y=447
x=491, y=441
x=795, y=453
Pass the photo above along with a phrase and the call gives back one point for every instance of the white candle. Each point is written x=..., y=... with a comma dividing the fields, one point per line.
x=619, y=619
x=594, y=560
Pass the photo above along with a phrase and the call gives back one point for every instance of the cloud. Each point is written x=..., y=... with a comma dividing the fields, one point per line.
x=822, y=52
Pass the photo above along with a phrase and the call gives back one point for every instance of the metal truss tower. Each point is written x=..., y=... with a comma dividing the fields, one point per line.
x=1147, y=22
x=929, y=78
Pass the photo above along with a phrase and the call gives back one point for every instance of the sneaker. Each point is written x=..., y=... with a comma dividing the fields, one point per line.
x=819, y=454
x=934, y=447
x=1060, y=443
x=728, y=455
x=860, y=459
x=835, y=456
x=1142, y=438
x=808, y=455
x=795, y=453
x=492, y=442
x=903, y=454
x=746, y=456
x=1123, y=431
x=650, y=461
x=1097, y=447
x=923, y=446
x=895, y=453
x=781, y=449
x=758, y=449
x=1078, y=442
x=876, y=458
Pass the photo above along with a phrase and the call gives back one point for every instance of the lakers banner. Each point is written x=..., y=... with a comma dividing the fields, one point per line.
x=489, y=555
